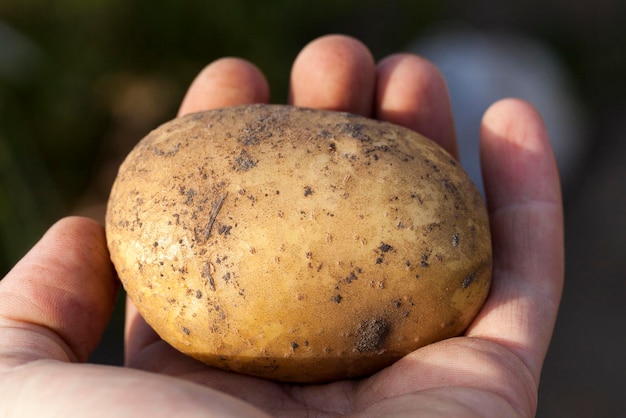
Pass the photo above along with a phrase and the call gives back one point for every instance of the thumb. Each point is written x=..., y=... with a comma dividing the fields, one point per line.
x=57, y=300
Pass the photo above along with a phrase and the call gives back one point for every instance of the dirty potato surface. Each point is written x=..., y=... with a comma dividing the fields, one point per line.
x=297, y=244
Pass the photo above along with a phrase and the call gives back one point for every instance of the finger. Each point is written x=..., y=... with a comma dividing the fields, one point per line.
x=334, y=72
x=56, y=302
x=524, y=199
x=225, y=82
x=412, y=92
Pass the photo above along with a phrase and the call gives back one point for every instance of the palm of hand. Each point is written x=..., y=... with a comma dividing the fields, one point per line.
x=55, y=303
x=456, y=377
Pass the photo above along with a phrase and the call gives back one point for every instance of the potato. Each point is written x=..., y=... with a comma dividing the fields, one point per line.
x=296, y=244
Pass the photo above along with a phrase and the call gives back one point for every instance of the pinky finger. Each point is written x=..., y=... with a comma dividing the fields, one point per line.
x=526, y=215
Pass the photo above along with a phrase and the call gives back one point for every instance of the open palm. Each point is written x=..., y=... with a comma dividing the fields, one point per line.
x=56, y=302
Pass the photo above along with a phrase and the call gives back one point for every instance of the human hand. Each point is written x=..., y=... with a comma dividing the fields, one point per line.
x=55, y=303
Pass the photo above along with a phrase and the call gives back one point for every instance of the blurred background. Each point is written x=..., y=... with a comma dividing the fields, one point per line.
x=82, y=82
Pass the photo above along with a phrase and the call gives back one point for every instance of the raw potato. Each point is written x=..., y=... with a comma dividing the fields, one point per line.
x=297, y=244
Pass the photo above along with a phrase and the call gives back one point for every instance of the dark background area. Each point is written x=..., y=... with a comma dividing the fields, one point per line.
x=81, y=82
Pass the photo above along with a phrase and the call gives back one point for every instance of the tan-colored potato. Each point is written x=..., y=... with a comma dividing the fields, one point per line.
x=297, y=244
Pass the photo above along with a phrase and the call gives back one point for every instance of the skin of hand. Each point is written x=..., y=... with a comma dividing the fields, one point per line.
x=56, y=302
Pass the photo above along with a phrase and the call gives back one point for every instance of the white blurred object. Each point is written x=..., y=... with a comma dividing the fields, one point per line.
x=482, y=67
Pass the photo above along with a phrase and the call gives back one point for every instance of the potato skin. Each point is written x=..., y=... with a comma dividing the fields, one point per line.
x=297, y=244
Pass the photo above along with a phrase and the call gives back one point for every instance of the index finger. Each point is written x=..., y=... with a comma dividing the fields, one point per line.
x=225, y=82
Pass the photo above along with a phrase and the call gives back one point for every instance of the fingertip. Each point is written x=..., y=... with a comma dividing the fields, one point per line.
x=225, y=82
x=500, y=115
x=412, y=92
x=64, y=285
x=334, y=72
x=508, y=117
x=517, y=159
x=79, y=244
